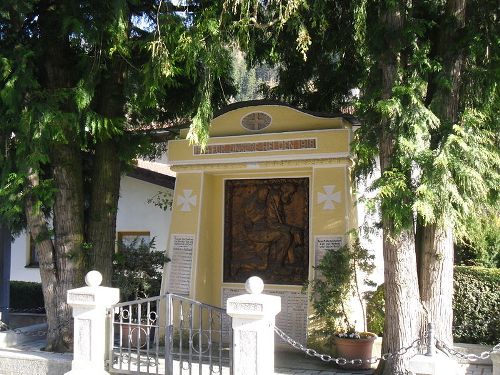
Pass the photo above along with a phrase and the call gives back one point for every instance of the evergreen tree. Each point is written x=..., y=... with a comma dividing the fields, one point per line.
x=78, y=80
x=427, y=73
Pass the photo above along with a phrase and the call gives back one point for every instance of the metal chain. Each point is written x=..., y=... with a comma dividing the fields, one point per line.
x=340, y=360
x=470, y=357
x=416, y=344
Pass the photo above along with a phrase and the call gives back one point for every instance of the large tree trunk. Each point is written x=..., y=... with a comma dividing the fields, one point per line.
x=68, y=227
x=5, y=240
x=436, y=240
x=59, y=268
x=436, y=279
x=106, y=172
x=103, y=208
x=54, y=287
x=402, y=307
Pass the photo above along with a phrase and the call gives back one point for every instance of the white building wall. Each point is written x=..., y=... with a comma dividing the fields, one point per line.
x=19, y=258
x=134, y=214
x=371, y=239
x=370, y=234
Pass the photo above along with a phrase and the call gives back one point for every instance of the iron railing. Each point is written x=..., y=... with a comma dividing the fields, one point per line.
x=195, y=338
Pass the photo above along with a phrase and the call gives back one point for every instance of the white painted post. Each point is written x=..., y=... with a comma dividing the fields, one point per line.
x=253, y=329
x=89, y=312
x=495, y=359
x=432, y=363
x=438, y=364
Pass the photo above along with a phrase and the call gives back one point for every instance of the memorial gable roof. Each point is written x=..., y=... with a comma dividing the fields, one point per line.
x=263, y=116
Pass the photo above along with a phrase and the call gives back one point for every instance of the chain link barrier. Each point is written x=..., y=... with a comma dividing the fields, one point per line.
x=441, y=345
x=419, y=346
x=344, y=361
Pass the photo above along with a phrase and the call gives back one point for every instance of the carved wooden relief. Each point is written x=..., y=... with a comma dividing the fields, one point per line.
x=266, y=229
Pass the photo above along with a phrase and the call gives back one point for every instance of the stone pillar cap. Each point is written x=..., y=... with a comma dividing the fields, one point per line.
x=93, y=294
x=93, y=278
x=254, y=305
x=254, y=285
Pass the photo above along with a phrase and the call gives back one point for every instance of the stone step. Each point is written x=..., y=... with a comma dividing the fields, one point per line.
x=11, y=338
x=15, y=362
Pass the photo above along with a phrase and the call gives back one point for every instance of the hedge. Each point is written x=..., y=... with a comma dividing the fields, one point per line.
x=25, y=295
x=476, y=306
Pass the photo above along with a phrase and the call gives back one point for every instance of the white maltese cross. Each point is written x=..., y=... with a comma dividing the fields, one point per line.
x=186, y=201
x=328, y=197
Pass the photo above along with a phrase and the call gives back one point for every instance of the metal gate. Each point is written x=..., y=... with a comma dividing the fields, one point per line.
x=188, y=338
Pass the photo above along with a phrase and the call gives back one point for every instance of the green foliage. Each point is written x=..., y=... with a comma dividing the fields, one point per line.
x=25, y=295
x=162, y=200
x=310, y=43
x=137, y=270
x=375, y=311
x=482, y=246
x=447, y=162
x=336, y=281
x=476, y=303
x=250, y=80
x=118, y=65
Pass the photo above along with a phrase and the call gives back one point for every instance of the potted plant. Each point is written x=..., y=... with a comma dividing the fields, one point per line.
x=337, y=282
x=137, y=271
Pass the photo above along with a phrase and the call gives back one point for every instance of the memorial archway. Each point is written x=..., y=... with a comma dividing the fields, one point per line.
x=268, y=196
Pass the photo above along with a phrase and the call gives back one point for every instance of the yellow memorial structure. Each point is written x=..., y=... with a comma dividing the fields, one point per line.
x=268, y=196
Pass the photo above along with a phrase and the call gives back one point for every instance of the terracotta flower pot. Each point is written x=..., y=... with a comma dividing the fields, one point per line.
x=355, y=349
x=133, y=335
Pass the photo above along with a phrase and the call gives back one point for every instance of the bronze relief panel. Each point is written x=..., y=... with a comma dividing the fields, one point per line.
x=266, y=230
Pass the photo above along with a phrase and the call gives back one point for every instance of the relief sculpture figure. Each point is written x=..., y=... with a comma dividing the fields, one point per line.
x=267, y=240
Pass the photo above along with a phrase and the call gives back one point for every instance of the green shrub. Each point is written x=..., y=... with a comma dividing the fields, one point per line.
x=25, y=295
x=137, y=269
x=375, y=311
x=476, y=306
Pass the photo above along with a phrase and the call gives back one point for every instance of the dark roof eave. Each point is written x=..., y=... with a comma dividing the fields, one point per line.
x=152, y=177
x=254, y=103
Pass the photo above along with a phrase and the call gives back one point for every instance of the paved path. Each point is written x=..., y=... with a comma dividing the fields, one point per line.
x=466, y=370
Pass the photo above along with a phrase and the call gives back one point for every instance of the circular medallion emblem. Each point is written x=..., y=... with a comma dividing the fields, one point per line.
x=256, y=121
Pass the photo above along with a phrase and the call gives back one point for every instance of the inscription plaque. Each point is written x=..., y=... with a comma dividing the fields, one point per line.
x=246, y=306
x=322, y=244
x=72, y=298
x=248, y=351
x=83, y=339
x=181, y=255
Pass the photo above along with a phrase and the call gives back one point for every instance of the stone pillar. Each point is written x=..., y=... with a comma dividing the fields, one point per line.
x=89, y=312
x=253, y=329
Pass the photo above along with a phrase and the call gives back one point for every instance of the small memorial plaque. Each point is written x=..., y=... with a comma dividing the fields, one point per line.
x=75, y=298
x=181, y=255
x=322, y=244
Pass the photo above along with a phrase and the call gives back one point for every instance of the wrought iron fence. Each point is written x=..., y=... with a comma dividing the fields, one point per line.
x=195, y=338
